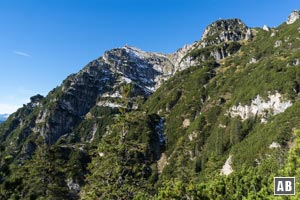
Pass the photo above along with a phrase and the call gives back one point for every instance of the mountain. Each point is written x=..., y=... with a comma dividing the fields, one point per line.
x=217, y=119
x=3, y=117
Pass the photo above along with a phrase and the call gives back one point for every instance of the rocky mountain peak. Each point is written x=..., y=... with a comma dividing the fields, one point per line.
x=225, y=30
x=293, y=17
x=219, y=40
x=135, y=52
x=146, y=69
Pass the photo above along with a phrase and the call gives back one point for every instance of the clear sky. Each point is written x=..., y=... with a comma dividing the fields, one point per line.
x=43, y=41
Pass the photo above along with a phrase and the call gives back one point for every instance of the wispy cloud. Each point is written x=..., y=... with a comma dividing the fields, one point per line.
x=8, y=108
x=14, y=98
x=21, y=53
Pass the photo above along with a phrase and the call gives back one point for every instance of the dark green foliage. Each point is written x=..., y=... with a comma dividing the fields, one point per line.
x=124, y=164
x=247, y=183
x=45, y=176
x=42, y=176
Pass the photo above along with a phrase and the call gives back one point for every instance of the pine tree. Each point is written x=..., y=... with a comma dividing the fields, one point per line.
x=45, y=178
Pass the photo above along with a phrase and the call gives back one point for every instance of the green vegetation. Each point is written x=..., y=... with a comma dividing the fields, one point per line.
x=247, y=183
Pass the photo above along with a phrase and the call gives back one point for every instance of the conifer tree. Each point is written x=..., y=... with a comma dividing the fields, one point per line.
x=45, y=178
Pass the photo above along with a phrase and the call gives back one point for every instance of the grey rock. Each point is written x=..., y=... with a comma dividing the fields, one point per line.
x=266, y=28
x=146, y=69
x=296, y=62
x=277, y=43
x=273, y=34
x=259, y=107
x=224, y=31
x=73, y=186
x=178, y=60
x=253, y=60
x=217, y=33
x=293, y=17
x=249, y=34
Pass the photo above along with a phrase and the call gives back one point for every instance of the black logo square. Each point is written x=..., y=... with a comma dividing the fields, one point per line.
x=284, y=185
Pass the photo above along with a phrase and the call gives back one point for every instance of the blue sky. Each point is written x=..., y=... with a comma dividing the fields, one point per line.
x=42, y=42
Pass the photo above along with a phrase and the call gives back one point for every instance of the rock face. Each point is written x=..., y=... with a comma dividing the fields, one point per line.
x=178, y=57
x=219, y=40
x=274, y=145
x=72, y=100
x=146, y=69
x=261, y=107
x=224, y=31
x=278, y=43
x=266, y=28
x=227, y=169
x=293, y=17
x=162, y=163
